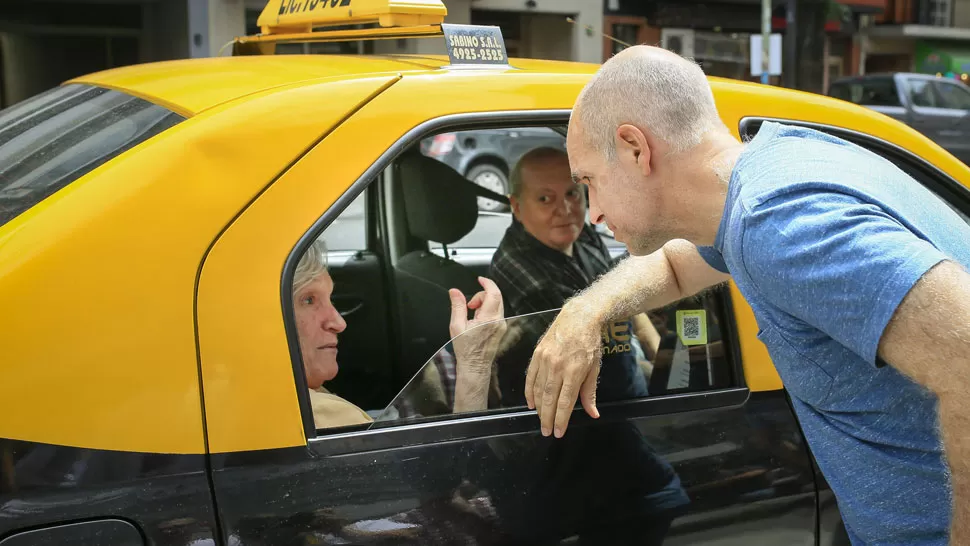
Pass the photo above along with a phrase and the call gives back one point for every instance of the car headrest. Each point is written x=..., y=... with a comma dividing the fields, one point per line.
x=440, y=203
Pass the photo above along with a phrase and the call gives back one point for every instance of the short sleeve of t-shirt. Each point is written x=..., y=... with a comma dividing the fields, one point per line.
x=835, y=262
x=713, y=258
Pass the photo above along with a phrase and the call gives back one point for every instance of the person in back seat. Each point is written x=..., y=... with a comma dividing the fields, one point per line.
x=319, y=324
x=549, y=254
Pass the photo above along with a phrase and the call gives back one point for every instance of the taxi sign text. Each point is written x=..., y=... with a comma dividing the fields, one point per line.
x=295, y=6
x=472, y=44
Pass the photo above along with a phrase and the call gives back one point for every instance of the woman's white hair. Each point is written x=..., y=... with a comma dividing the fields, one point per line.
x=311, y=265
x=651, y=89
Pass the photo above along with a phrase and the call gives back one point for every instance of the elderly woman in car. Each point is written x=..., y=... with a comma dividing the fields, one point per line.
x=319, y=325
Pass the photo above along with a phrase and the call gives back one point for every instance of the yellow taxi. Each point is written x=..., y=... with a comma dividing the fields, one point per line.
x=152, y=220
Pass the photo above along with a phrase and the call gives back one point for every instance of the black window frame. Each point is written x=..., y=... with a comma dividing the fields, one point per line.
x=500, y=421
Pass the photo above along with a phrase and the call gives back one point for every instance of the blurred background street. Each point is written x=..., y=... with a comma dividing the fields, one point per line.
x=43, y=43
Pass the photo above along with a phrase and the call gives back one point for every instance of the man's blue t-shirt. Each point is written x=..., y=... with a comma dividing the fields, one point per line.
x=825, y=239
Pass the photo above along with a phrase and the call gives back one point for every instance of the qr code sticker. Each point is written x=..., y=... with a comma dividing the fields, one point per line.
x=692, y=327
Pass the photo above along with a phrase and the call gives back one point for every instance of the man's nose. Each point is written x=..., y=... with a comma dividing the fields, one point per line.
x=565, y=207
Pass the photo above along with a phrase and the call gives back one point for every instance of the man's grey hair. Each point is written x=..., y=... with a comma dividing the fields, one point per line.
x=665, y=94
x=311, y=265
x=536, y=154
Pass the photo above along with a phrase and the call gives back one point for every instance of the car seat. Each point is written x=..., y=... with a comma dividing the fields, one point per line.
x=440, y=206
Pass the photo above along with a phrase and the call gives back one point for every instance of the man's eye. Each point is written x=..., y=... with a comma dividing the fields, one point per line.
x=544, y=199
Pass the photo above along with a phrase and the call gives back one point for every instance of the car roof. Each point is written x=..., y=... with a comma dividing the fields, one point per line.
x=192, y=86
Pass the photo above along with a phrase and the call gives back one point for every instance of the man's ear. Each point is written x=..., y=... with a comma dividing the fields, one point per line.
x=632, y=148
x=514, y=203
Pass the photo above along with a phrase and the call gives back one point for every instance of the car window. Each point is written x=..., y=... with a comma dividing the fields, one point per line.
x=922, y=94
x=53, y=139
x=877, y=92
x=349, y=230
x=375, y=330
x=691, y=356
x=488, y=158
x=880, y=92
x=955, y=96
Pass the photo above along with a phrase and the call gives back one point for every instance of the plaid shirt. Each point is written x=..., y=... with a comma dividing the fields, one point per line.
x=534, y=277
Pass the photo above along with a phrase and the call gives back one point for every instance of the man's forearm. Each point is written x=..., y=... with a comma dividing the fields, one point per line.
x=637, y=285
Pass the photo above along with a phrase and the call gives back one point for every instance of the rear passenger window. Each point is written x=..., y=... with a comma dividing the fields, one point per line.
x=378, y=339
x=53, y=139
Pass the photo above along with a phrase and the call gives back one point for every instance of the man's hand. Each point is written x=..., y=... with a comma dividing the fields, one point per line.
x=565, y=365
x=566, y=361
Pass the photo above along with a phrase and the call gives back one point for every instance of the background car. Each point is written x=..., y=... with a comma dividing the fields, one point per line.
x=935, y=106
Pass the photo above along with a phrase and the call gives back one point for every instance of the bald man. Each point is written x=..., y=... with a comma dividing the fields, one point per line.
x=550, y=253
x=856, y=274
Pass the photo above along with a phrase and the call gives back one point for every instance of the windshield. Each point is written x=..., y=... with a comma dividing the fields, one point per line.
x=53, y=139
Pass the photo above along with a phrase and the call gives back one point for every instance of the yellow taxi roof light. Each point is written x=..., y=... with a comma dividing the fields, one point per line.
x=301, y=16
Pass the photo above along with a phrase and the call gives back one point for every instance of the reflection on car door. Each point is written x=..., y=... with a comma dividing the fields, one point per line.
x=719, y=468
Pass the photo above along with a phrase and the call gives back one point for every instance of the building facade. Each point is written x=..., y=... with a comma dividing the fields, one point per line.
x=821, y=37
x=45, y=42
x=928, y=36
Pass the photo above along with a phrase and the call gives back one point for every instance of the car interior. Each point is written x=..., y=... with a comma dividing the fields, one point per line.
x=393, y=293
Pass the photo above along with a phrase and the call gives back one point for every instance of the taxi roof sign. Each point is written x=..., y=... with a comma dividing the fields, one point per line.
x=307, y=21
x=299, y=16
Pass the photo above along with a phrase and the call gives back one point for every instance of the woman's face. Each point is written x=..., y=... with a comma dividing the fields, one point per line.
x=318, y=323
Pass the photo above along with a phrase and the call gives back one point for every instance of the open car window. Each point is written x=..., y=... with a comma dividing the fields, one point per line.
x=458, y=381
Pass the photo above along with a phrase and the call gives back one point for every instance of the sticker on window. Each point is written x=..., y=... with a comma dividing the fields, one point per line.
x=692, y=327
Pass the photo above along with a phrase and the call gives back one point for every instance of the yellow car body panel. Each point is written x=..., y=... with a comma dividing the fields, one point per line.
x=190, y=87
x=177, y=246
x=248, y=333
x=110, y=262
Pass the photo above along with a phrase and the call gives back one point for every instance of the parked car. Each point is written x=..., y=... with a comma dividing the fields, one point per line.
x=151, y=221
x=487, y=156
x=935, y=106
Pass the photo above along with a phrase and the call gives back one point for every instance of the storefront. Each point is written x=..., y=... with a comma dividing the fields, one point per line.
x=942, y=59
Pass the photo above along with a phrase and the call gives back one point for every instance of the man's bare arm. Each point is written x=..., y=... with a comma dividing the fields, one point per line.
x=641, y=283
x=928, y=339
x=566, y=361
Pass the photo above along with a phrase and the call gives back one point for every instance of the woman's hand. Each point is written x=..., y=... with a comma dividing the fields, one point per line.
x=476, y=343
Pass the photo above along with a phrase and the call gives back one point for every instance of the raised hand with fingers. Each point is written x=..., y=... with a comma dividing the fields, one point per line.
x=476, y=342
x=565, y=366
